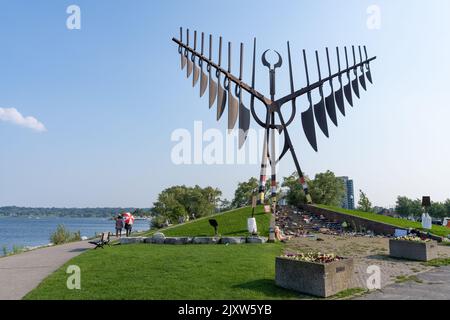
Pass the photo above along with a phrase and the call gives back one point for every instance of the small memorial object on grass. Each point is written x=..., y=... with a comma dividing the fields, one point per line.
x=427, y=222
x=252, y=226
x=413, y=248
x=215, y=225
x=316, y=274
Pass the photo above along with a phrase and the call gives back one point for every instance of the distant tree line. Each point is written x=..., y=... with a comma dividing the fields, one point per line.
x=70, y=212
x=406, y=207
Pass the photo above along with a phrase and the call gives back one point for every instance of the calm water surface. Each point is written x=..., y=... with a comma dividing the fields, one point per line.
x=31, y=232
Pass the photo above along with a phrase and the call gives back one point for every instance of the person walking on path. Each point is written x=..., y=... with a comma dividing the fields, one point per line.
x=128, y=228
x=119, y=226
x=129, y=220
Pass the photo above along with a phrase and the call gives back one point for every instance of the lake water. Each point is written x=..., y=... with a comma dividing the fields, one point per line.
x=31, y=232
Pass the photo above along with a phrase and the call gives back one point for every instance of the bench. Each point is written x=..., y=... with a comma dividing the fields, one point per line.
x=104, y=240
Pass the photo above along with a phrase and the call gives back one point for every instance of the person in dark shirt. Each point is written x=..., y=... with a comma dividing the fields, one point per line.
x=128, y=228
x=119, y=226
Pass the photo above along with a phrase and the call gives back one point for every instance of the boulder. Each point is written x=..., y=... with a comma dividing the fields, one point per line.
x=148, y=240
x=178, y=240
x=131, y=240
x=158, y=238
x=233, y=240
x=206, y=240
x=256, y=239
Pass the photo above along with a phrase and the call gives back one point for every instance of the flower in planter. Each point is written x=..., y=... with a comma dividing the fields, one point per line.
x=314, y=257
x=412, y=239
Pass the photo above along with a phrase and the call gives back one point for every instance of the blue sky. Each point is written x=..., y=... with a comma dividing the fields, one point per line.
x=111, y=94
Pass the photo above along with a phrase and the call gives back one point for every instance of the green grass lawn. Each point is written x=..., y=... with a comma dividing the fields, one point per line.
x=232, y=223
x=401, y=223
x=171, y=272
x=177, y=272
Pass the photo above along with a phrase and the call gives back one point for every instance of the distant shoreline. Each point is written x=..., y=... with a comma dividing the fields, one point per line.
x=13, y=211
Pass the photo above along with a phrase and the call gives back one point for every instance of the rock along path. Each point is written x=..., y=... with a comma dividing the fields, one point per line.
x=21, y=273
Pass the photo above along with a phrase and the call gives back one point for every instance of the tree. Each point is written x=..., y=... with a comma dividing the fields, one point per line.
x=244, y=192
x=364, y=203
x=327, y=189
x=438, y=210
x=403, y=206
x=212, y=195
x=295, y=196
x=180, y=201
x=225, y=205
x=406, y=207
x=447, y=207
x=324, y=189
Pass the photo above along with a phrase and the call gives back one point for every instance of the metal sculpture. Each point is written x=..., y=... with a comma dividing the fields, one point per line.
x=221, y=90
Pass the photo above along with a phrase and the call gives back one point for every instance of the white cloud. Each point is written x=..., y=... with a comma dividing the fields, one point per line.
x=15, y=117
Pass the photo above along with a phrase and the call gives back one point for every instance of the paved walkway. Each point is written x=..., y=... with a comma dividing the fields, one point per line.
x=431, y=285
x=19, y=274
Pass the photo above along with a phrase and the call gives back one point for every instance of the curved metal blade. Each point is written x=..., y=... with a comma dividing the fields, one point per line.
x=286, y=148
x=244, y=124
x=190, y=66
x=221, y=101
x=196, y=75
x=348, y=93
x=331, y=108
x=309, y=128
x=212, y=91
x=203, y=83
x=321, y=117
x=369, y=76
x=233, y=110
x=362, y=80
x=183, y=61
x=355, y=86
x=340, y=101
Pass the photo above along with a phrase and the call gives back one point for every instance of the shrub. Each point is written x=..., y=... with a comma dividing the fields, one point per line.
x=62, y=235
x=17, y=249
x=158, y=222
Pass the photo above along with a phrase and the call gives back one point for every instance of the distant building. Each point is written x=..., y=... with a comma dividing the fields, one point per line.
x=348, y=201
x=282, y=196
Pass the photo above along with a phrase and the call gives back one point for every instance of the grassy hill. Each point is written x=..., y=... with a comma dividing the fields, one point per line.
x=401, y=223
x=232, y=223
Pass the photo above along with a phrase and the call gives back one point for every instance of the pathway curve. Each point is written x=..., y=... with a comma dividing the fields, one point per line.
x=21, y=273
x=431, y=285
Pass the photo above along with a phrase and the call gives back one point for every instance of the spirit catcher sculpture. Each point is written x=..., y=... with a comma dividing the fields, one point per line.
x=221, y=91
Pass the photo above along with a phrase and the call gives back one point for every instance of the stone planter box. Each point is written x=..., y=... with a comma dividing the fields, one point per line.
x=206, y=240
x=410, y=250
x=131, y=240
x=233, y=240
x=317, y=279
